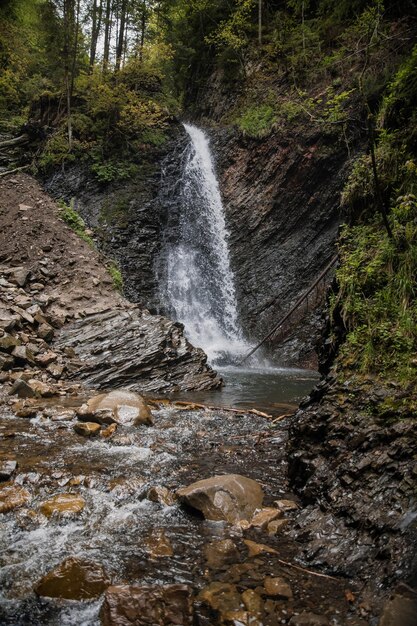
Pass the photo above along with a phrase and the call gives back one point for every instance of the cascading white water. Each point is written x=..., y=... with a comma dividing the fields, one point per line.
x=199, y=279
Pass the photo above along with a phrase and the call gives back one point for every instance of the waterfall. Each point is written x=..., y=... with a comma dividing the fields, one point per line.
x=199, y=283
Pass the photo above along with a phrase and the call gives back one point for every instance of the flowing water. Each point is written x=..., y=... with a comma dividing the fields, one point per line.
x=199, y=288
x=121, y=529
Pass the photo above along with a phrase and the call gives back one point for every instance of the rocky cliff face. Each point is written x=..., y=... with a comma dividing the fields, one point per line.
x=281, y=196
x=351, y=451
x=63, y=283
x=127, y=217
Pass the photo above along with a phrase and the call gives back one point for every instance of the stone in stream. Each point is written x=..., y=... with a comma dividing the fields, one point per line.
x=12, y=496
x=120, y=406
x=253, y=602
x=158, y=545
x=42, y=389
x=136, y=605
x=21, y=389
x=220, y=553
x=258, y=548
x=277, y=587
x=73, y=579
x=400, y=610
x=161, y=495
x=63, y=504
x=230, y=497
x=7, y=468
x=262, y=518
x=222, y=597
x=276, y=526
x=87, y=429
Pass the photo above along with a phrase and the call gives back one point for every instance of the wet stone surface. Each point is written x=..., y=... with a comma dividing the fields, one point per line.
x=133, y=528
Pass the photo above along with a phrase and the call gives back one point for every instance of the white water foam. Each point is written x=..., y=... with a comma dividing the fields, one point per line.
x=200, y=283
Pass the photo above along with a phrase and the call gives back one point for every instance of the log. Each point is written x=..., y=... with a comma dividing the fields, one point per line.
x=17, y=141
x=17, y=169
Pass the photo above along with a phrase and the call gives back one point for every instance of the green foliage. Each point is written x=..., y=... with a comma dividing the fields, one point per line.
x=377, y=294
x=114, y=170
x=257, y=121
x=74, y=221
x=116, y=275
x=398, y=107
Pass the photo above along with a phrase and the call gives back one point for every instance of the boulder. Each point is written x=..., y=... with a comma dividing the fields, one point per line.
x=45, y=332
x=120, y=406
x=7, y=468
x=6, y=362
x=400, y=610
x=21, y=389
x=130, y=348
x=170, y=605
x=277, y=587
x=23, y=355
x=12, y=496
x=222, y=597
x=220, y=553
x=73, y=579
x=162, y=495
x=230, y=497
x=63, y=504
x=8, y=343
x=87, y=429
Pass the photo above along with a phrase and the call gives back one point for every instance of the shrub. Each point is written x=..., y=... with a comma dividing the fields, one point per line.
x=257, y=121
x=74, y=221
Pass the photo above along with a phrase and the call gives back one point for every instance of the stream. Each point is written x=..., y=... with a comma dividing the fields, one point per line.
x=130, y=525
x=135, y=539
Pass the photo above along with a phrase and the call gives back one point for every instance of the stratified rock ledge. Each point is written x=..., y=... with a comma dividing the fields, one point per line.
x=129, y=347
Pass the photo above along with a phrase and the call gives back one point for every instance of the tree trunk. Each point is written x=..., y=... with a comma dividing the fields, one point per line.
x=260, y=22
x=69, y=19
x=95, y=29
x=143, y=30
x=121, y=37
x=107, y=34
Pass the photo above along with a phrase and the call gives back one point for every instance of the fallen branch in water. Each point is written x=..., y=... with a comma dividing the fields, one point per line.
x=281, y=417
x=192, y=405
x=17, y=169
x=307, y=571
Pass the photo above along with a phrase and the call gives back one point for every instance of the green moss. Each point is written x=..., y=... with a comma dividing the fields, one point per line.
x=116, y=275
x=257, y=121
x=74, y=221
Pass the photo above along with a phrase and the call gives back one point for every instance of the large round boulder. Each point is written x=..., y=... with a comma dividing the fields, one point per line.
x=119, y=406
x=230, y=497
